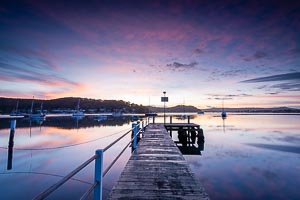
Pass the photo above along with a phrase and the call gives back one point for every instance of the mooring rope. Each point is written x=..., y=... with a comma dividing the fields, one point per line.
x=48, y=174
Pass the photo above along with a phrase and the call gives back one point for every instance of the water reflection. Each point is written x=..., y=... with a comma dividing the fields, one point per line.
x=69, y=122
x=257, y=158
x=223, y=119
x=190, y=140
x=283, y=148
x=241, y=164
x=52, y=148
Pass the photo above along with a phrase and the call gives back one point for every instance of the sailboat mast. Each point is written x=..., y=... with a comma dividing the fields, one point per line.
x=223, y=105
x=31, y=109
x=149, y=105
x=17, y=106
x=41, y=108
x=183, y=106
x=78, y=104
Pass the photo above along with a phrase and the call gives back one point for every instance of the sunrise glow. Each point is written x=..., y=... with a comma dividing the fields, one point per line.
x=201, y=52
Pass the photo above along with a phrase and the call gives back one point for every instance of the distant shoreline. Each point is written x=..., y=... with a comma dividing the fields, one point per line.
x=233, y=113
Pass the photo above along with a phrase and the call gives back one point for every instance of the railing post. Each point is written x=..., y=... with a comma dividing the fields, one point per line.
x=98, y=175
x=133, y=125
x=143, y=128
x=135, y=137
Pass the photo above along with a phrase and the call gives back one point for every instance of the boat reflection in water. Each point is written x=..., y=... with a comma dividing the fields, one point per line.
x=100, y=118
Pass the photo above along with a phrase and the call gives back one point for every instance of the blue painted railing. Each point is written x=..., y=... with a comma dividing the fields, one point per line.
x=99, y=172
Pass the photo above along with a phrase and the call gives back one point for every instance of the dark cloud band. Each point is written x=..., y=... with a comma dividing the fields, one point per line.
x=279, y=77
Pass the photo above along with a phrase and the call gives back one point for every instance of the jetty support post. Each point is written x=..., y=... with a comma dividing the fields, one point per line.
x=98, y=175
x=189, y=130
x=170, y=128
x=13, y=123
x=200, y=135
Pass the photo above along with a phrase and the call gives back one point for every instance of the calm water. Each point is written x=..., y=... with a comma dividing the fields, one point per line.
x=249, y=156
x=244, y=157
x=42, y=153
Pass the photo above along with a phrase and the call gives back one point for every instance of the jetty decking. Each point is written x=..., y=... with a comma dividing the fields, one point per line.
x=157, y=170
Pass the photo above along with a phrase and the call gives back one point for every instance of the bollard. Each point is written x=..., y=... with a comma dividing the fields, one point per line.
x=189, y=119
x=98, y=174
x=170, y=119
x=153, y=119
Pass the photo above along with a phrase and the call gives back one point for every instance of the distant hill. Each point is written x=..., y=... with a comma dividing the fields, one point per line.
x=256, y=110
x=182, y=109
x=179, y=108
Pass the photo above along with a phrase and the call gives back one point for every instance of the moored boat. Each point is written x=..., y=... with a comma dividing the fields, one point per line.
x=78, y=112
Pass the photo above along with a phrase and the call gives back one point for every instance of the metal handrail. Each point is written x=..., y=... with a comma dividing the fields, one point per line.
x=111, y=164
x=88, y=192
x=117, y=140
x=51, y=189
x=115, y=160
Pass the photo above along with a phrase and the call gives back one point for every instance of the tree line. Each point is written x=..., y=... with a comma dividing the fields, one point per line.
x=7, y=105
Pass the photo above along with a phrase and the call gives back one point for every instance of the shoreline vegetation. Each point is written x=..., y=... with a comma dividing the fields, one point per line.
x=68, y=105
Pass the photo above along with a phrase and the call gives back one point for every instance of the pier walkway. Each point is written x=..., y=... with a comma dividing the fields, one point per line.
x=157, y=170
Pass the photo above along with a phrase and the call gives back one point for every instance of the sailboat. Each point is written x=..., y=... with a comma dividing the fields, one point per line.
x=78, y=113
x=15, y=112
x=150, y=114
x=183, y=115
x=37, y=116
x=223, y=114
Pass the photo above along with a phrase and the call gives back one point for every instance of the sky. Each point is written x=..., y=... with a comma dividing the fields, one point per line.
x=245, y=53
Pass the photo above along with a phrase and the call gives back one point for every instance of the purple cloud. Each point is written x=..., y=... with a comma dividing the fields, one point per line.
x=176, y=66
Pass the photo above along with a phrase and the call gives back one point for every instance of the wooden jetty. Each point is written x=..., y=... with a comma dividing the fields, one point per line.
x=157, y=170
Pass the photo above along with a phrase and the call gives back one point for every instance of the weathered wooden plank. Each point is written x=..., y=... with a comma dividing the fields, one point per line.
x=157, y=170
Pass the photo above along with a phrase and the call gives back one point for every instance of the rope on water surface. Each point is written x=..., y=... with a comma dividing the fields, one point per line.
x=48, y=174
